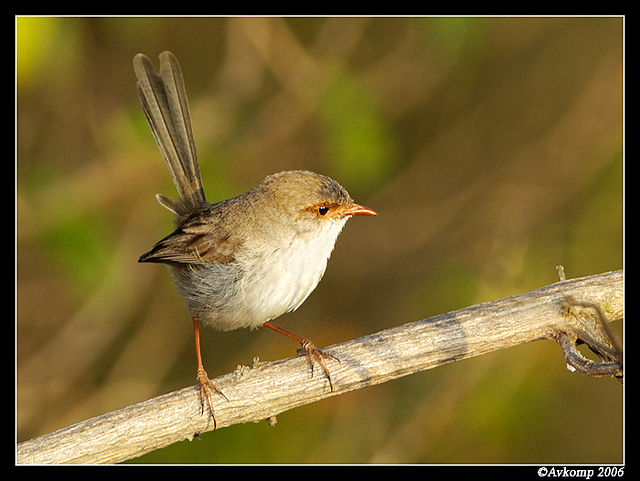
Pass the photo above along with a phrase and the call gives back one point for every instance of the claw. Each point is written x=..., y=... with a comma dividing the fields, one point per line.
x=312, y=351
x=206, y=388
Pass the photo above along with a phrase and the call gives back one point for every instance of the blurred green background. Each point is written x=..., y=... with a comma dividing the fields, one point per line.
x=491, y=149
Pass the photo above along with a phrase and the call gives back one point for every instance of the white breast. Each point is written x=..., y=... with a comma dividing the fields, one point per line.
x=259, y=287
x=290, y=273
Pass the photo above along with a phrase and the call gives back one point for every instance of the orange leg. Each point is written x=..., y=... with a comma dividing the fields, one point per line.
x=308, y=348
x=205, y=384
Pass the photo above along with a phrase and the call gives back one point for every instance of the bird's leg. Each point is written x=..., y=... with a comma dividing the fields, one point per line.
x=204, y=383
x=309, y=349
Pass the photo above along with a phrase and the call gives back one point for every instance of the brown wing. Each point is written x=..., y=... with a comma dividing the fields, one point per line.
x=196, y=241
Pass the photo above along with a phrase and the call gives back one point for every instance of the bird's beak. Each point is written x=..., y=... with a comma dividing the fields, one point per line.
x=357, y=209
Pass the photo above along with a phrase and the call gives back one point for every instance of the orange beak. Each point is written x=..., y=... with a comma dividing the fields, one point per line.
x=357, y=209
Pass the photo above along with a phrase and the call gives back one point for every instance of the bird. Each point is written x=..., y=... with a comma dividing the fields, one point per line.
x=243, y=261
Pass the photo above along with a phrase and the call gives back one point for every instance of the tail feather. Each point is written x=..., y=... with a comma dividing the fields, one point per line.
x=165, y=105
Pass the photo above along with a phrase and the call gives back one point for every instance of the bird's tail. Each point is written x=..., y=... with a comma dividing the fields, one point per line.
x=165, y=105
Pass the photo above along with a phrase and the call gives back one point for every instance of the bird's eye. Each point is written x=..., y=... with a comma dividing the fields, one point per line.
x=323, y=210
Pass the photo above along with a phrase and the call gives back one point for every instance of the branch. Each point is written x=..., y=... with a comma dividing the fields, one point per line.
x=562, y=312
